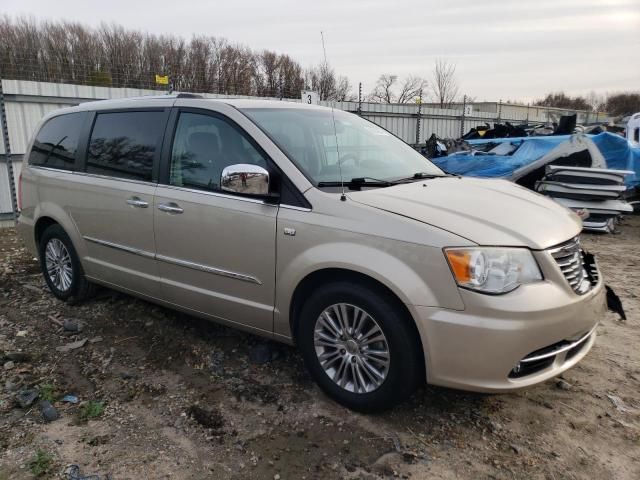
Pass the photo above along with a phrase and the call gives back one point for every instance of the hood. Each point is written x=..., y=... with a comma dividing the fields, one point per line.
x=486, y=212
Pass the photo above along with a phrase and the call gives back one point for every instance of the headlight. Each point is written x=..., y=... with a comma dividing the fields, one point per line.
x=492, y=269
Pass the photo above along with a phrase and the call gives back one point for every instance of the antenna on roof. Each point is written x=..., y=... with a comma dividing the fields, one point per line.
x=343, y=196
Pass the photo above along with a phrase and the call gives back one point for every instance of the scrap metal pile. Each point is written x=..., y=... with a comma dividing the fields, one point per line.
x=599, y=191
x=597, y=175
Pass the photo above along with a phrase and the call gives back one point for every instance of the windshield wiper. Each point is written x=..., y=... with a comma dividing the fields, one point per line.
x=420, y=176
x=358, y=182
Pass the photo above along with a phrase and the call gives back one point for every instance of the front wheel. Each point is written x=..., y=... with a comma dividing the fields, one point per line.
x=359, y=346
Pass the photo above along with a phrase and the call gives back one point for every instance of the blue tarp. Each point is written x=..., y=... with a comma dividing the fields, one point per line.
x=617, y=151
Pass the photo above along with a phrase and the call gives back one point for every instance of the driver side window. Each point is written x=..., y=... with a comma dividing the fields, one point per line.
x=203, y=146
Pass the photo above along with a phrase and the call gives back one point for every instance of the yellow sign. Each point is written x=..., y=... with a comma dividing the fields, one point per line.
x=162, y=79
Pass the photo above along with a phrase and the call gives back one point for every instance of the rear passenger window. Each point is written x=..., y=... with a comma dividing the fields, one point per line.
x=57, y=141
x=124, y=144
x=203, y=146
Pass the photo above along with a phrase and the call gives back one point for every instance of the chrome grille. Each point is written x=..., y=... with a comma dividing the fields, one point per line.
x=580, y=274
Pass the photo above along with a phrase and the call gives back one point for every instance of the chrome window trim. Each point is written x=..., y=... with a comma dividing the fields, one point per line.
x=175, y=261
x=293, y=207
x=49, y=169
x=207, y=269
x=117, y=246
x=119, y=179
x=216, y=194
x=94, y=175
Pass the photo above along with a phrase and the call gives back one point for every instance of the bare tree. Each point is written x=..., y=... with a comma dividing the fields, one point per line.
x=409, y=89
x=383, y=91
x=444, y=85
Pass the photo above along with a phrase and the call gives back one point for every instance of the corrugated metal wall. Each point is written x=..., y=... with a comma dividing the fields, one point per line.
x=27, y=102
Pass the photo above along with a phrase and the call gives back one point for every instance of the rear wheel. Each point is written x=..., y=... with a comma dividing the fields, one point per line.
x=359, y=347
x=61, y=266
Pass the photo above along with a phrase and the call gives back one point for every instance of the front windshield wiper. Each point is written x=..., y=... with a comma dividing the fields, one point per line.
x=358, y=182
x=423, y=176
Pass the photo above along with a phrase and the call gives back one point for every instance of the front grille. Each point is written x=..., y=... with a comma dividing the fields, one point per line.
x=577, y=266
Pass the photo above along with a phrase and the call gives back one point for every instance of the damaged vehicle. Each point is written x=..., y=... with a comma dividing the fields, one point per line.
x=316, y=228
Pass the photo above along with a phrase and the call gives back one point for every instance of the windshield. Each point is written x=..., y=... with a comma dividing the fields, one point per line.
x=366, y=151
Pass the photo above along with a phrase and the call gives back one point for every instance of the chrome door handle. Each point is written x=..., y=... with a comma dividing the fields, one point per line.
x=136, y=202
x=170, y=208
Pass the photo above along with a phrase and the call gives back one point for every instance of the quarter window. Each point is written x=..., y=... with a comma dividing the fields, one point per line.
x=56, y=144
x=203, y=146
x=124, y=144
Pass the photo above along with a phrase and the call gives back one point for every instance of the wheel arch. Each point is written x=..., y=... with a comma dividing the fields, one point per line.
x=40, y=226
x=324, y=276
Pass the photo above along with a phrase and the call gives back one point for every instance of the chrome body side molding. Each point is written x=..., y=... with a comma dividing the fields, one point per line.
x=175, y=261
x=208, y=269
x=117, y=246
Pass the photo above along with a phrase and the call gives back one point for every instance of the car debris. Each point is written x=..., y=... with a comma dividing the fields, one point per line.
x=73, y=472
x=614, y=303
x=596, y=175
x=599, y=191
x=49, y=413
x=25, y=398
x=71, y=346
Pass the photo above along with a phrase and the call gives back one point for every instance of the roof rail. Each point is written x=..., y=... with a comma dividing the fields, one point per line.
x=189, y=95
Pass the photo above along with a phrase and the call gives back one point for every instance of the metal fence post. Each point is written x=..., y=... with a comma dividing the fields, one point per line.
x=360, y=99
x=464, y=108
x=419, y=118
x=7, y=153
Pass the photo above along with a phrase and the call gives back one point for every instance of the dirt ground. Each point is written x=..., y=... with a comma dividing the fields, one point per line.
x=165, y=395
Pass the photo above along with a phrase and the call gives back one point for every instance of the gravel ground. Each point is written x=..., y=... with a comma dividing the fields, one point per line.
x=165, y=395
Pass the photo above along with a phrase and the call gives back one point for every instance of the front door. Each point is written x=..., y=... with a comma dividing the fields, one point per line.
x=215, y=250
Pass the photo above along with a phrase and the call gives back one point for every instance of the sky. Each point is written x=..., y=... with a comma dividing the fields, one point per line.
x=503, y=49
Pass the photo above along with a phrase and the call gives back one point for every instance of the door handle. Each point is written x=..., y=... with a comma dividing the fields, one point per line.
x=136, y=202
x=170, y=208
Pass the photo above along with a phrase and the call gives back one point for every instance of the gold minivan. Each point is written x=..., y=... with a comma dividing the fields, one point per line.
x=312, y=227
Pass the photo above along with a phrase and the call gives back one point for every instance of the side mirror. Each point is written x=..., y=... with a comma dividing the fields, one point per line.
x=245, y=179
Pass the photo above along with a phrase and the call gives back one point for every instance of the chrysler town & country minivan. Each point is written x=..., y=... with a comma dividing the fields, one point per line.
x=316, y=228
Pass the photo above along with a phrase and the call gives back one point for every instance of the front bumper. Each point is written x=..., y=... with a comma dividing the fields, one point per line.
x=477, y=349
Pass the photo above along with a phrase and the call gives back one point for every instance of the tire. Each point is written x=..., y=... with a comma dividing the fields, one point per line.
x=71, y=286
x=402, y=374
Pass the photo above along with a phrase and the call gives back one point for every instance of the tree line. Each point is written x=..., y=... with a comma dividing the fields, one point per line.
x=112, y=56
x=616, y=104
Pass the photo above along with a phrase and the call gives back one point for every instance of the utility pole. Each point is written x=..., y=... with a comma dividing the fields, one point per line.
x=7, y=154
x=419, y=119
x=464, y=109
x=360, y=99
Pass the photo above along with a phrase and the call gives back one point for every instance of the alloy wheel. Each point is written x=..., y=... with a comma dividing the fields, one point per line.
x=351, y=348
x=58, y=264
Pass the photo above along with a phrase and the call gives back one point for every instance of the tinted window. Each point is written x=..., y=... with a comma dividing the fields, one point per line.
x=57, y=141
x=203, y=146
x=636, y=135
x=124, y=144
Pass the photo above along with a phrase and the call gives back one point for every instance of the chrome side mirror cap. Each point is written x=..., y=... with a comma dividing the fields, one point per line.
x=245, y=179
